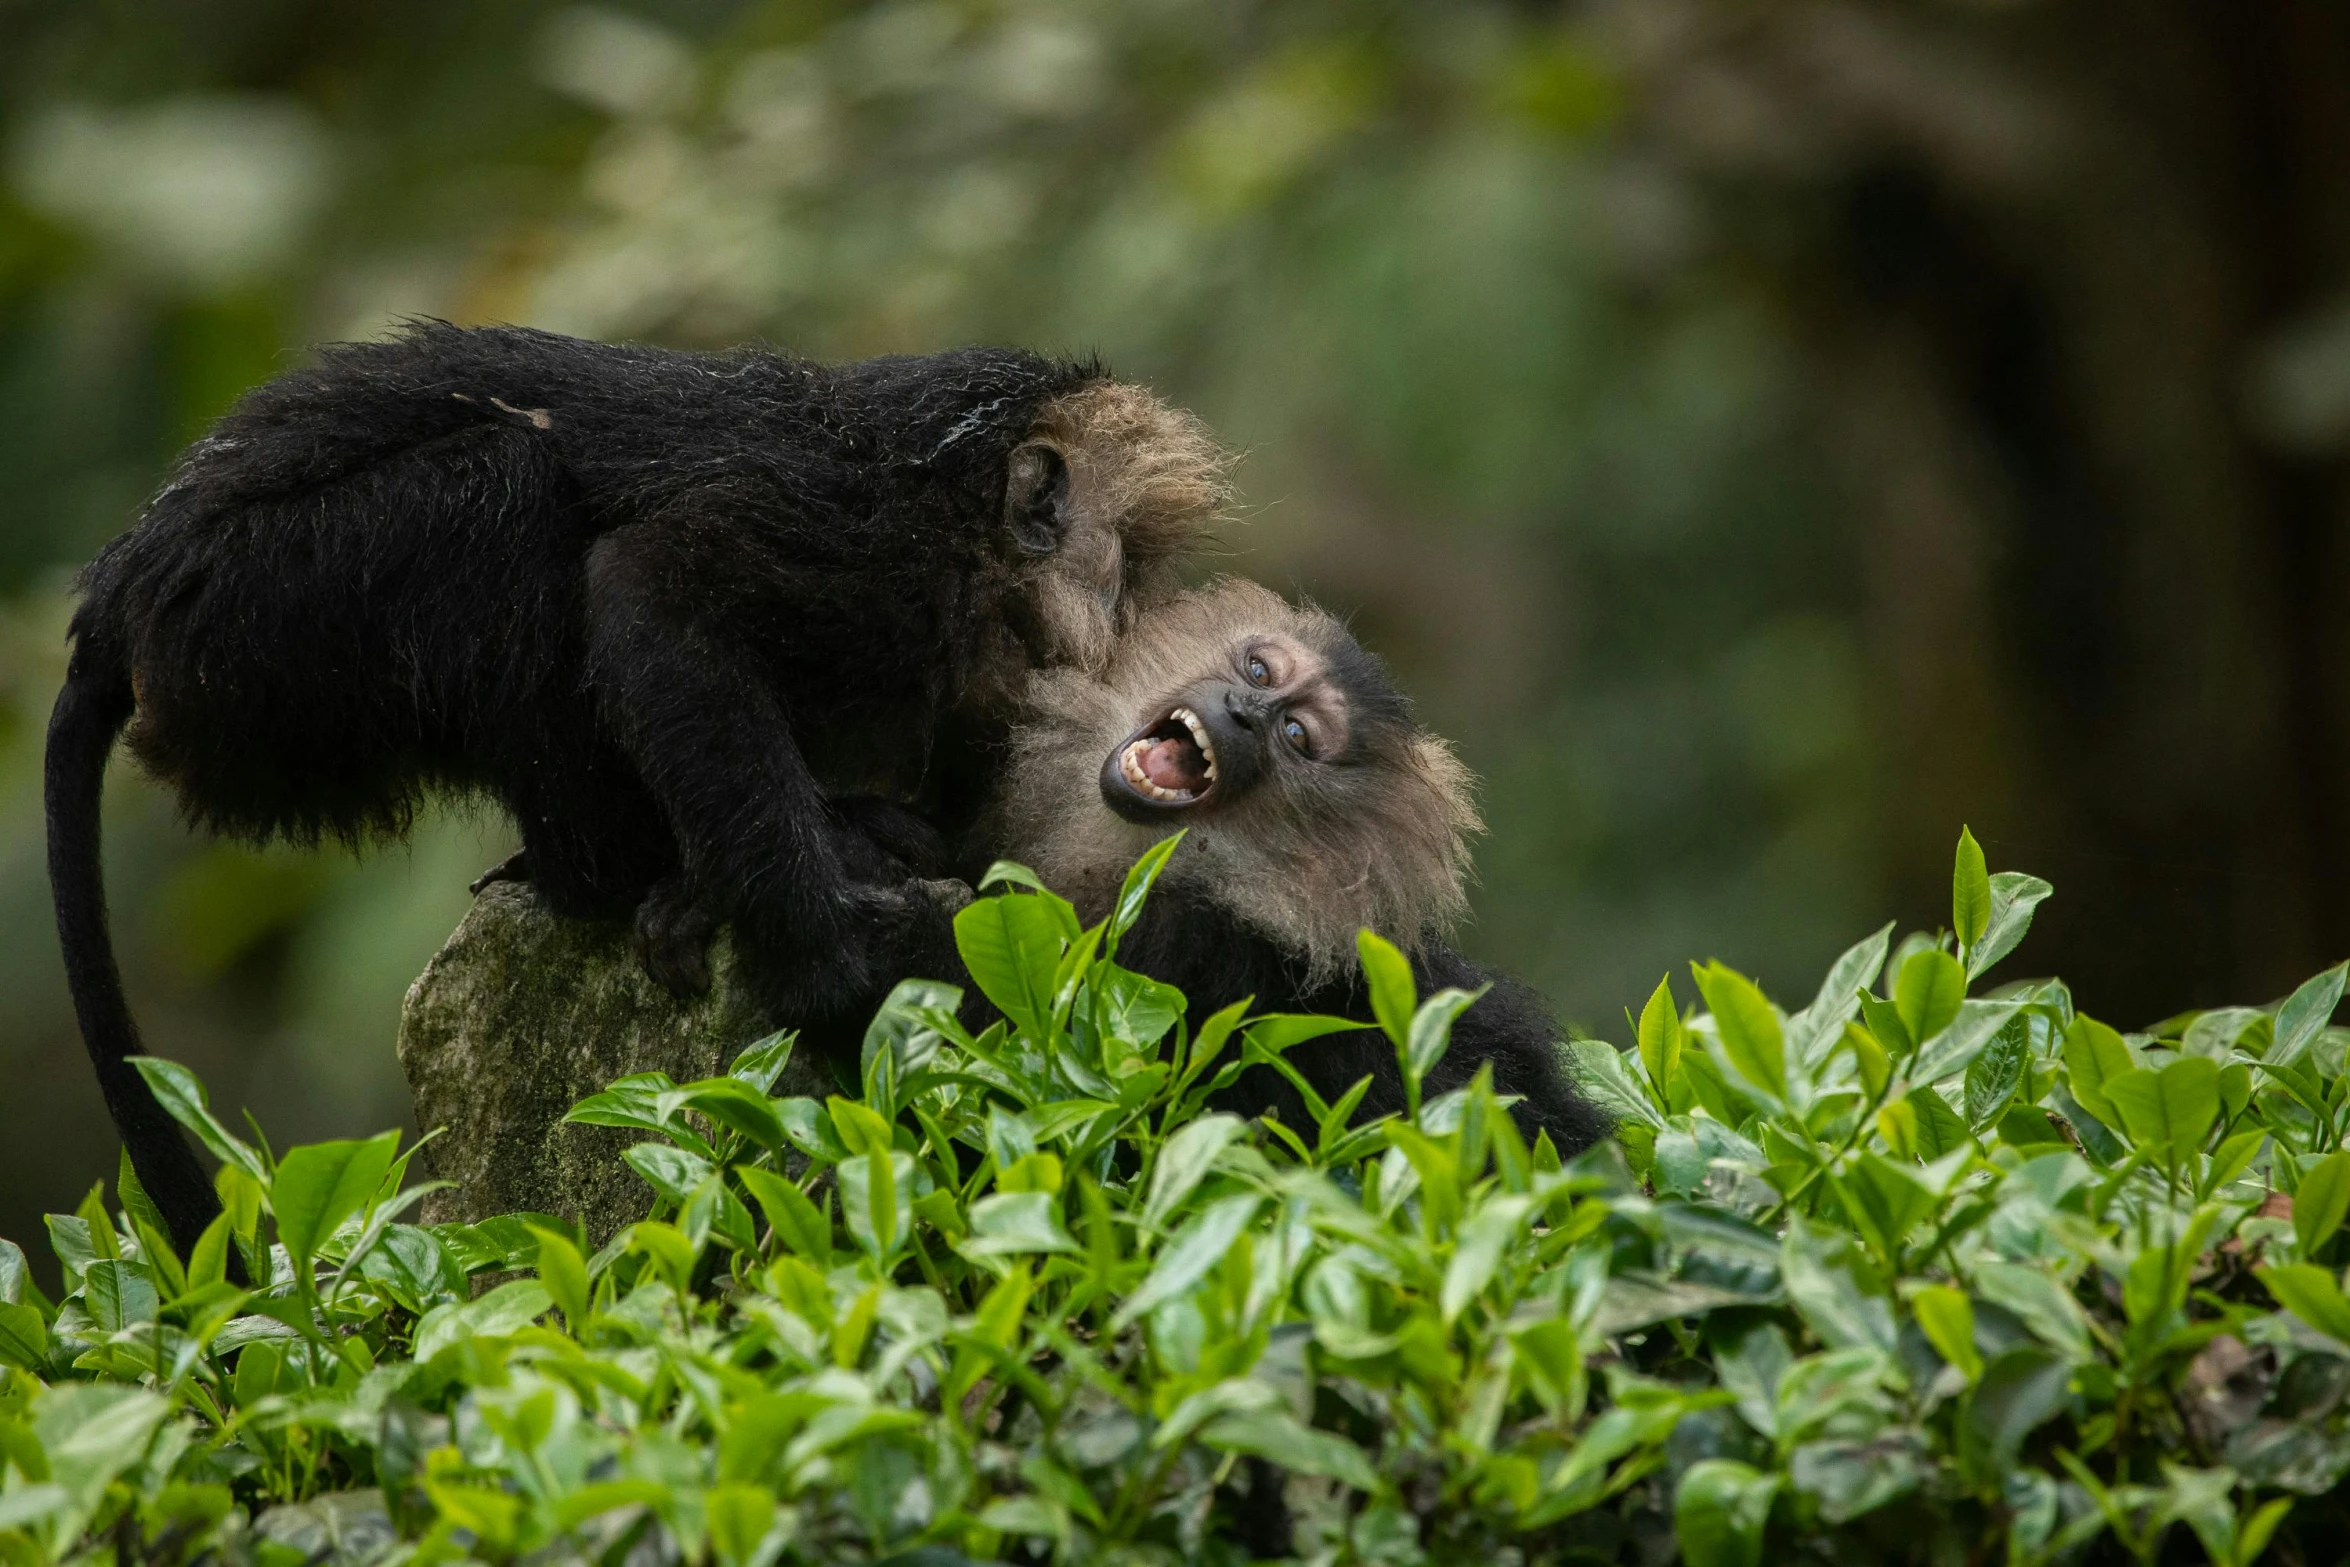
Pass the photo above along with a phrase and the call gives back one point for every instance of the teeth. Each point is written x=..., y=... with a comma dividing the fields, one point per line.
x=1199, y=737
x=1130, y=763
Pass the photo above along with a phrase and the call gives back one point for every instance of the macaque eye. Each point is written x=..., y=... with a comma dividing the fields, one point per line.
x=1258, y=674
x=1295, y=733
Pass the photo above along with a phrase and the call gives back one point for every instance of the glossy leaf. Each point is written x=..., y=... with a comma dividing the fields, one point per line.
x=2321, y=1200
x=1011, y=943
x=1720, y=1512
x=320, y=1185
x=2312, y=1294
x=2014, y=897
x=2304, y=1013
x=2167, y=1112
x=1387, y=973
x=1970, y=893
x=1947, y=1318
x=2093, y=1054
x=1927, y=993
x=1749, y=1027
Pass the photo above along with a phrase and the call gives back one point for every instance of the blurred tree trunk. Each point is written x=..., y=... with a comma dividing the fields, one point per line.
x=2067, y=267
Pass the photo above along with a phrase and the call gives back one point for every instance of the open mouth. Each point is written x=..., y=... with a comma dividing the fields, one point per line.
x=1172, y=762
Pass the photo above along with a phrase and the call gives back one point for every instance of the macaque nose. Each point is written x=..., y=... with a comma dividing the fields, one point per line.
x=1246, y=707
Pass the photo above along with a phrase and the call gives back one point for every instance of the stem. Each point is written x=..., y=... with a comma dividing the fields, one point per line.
x=1860, y=1129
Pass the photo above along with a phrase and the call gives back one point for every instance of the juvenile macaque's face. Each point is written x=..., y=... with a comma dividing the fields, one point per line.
x=1310, y=801
x=1275, y=705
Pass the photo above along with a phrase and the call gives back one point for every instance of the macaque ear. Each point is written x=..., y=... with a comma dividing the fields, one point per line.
x=1036, y=497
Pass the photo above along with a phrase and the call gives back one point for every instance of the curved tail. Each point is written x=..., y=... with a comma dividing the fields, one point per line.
x=91, y=711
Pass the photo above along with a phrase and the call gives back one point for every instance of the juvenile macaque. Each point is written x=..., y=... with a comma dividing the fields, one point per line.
x=1313, y=806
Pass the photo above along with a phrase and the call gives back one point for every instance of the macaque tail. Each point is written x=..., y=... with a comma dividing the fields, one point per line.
x=90, y=713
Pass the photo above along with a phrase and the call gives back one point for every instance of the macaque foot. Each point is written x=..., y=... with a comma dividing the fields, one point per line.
x=514, y=867
x=672, y=938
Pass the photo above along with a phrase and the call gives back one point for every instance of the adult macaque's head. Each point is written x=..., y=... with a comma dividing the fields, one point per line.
x=1103, y=500
x=1094, y=492
x=1313, y=803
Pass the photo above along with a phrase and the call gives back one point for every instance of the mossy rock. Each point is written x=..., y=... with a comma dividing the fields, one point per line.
x=520, y=1017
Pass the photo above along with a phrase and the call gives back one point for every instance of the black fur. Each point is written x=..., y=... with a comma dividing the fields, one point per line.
x=1184, y=941
x=658, y=605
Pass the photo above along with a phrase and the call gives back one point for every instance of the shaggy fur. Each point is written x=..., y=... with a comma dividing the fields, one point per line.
x=1380, y=839
x=1266, y=893
x=660, y=606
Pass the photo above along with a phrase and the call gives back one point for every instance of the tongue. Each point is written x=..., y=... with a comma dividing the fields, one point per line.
x=1173, y=764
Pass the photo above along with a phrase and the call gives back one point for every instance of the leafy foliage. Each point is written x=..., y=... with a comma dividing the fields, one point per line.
x=1911, y=1274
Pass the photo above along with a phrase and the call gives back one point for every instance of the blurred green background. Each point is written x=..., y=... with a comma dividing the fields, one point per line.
x=1764, y=435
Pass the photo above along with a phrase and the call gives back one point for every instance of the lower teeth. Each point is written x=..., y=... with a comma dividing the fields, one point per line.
x=1131, y=765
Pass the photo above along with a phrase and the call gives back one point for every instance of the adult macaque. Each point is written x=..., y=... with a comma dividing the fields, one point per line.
x=665, y=608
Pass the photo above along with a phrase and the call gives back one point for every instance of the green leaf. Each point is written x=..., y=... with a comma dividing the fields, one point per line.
x=2168, y=1113
x=1387, y=973
x=322, y=1184
x=1940, y=1130
x=136, y=1204
x=2093, y=1054
x=1827, y=1290
x=1883, y=1021
x=738, y=1515
x=564, y=1273
x=1947, y=1318
x=1485, y=1238
x=1197, y=1248
x=118, y=1295
x=2013, y=898
x=667, y=1246
x=860, y=1129
x=2233, y=1156
x=1298, y=1448
x=2043, y=1304
x=1749, y=1027
x=2019, y=1392
x=1927, y=993
x=877, y=1201
x=2310, y=1293
x=1141, y=876
x=762, y=1061
x=1598, y=1069
x=1720, y=1511
x=1011, y=943
x=1991, y=1078
x=1012, y=1224
x=506, y=1310
x=2321, y=1200
x=1850, y=1479
x=1814, y=1030
x=1970, y=892
x=24, y=1338
x=796, y=1220
x=93, y=1432
x=1884, y=1200
x=1431, y=1029
x=2305, y=1012
x=182, y=1095
x=1659, y=1036
x=737, y=1106
x=1185, y=1161
x=670, y=1170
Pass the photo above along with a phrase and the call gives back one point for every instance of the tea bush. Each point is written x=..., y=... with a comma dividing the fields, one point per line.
x=1919, y=1272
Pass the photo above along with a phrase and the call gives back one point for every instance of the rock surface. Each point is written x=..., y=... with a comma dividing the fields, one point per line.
x=520, y=1017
